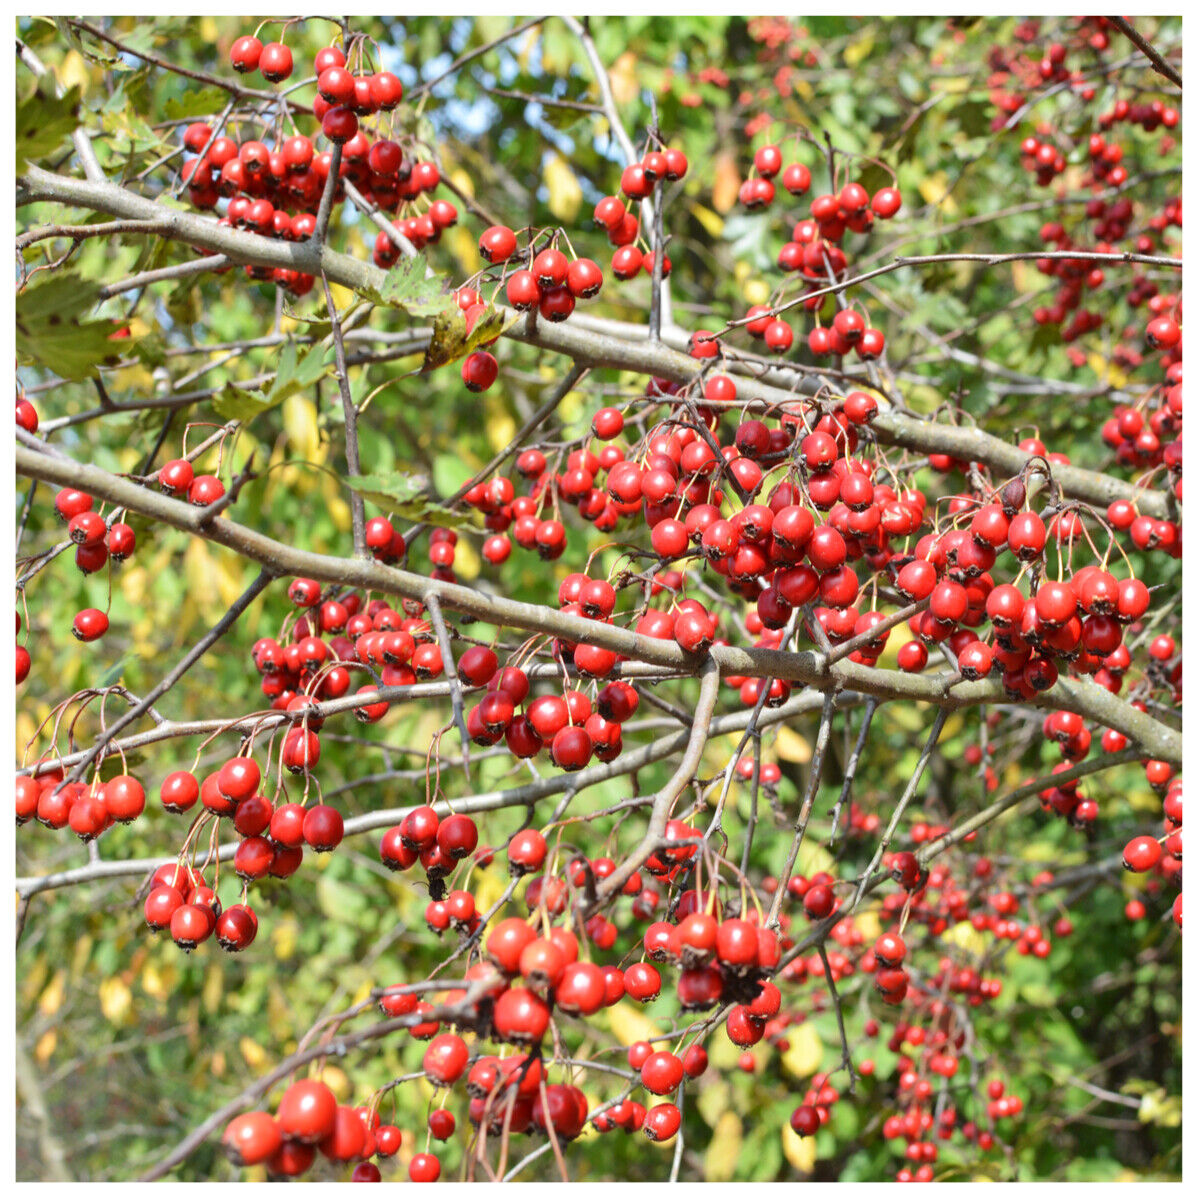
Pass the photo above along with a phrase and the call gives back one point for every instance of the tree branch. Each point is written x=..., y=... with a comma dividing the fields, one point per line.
x=1160, y=64
x=626, y=348
x=1079, y=695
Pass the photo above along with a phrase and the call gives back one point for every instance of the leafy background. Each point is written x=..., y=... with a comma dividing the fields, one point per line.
x=123, y=1042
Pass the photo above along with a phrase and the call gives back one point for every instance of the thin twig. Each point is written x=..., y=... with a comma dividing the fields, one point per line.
x=350, y=415
x=935, y=733
x=434, y=607
x=214, y=635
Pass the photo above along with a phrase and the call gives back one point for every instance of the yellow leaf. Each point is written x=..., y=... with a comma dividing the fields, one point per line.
x=300, y=424
x=343, y=297
x=813, y=857
x=284, y=936
x=726, y=181
x=157, y=983
x=629, y=1025
x=500, y=424
x=337, y=1081
x=720, y=1159
x=804, y=1053
x=51, y=999
x=73, y=71
x=133, y=585
x=952, y=84
x=756, y=292
x=25, y=727
x=623, y=76
x=486, y=885
x=218, y=1063
x=714, y=225
x=965, y=936
x=116, y=1000
x=800, y=1152
x=565, y=194
x=856, y=51
x=934, y=188
x=867, y=923
x=45, y=1046
x=256, y=1057
x=198, y=568
x=791, y=747
x=1024, y=279
x=714, y=1099
x=339, y=511
x=1104, y=369
x=135, y=378
x=214, y=986
x=82, y=951
x=464, y=247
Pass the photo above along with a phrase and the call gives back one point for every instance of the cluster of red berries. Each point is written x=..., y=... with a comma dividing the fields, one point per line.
x=88, y=809
x=815, y=253
x=301, y=667
x=620, y=222
x=1162, y=855
x=309, y=1120
x=275, y=191
x=96, y=541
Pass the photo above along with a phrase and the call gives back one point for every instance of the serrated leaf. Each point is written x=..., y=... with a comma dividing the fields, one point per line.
x=197, y=103
x=303, y=371
x=100, y=55
x=44, y=121
x=451, y=339
x=50, y=333
x=237, y=404
x=387, y=488
x=294, y=373
x=402, y=494
x=410, y=287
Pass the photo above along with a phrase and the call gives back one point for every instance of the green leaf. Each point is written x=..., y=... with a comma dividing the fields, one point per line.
x=339, y=900
x=50, y=333
x=198, y=103
x=294, y=373
x=44, y=121
x=409, y=287
x=94, y=52
x=113, y=673
x=403, y=494
x=238, y=404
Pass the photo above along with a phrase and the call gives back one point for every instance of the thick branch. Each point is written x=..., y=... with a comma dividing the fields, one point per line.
x=807, y=667
x=518, y=797
x=625, y=348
